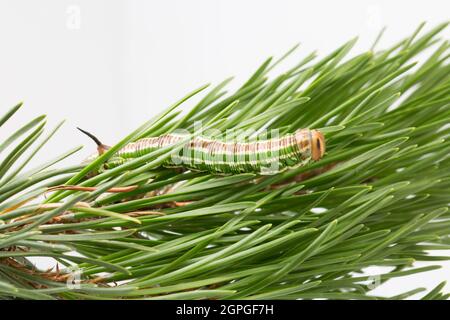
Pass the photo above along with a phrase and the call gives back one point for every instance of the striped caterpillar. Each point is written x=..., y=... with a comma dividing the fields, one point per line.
x=201, y=153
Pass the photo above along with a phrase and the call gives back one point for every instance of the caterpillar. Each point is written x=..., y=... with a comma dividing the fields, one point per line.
x=268, y=156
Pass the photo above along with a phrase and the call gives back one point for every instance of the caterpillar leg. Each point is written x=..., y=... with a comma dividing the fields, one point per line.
x=113, y=162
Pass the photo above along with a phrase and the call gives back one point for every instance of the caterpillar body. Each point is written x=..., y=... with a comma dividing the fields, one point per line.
x=267, y=156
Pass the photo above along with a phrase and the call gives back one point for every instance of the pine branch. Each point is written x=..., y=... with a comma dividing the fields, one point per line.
x=379, y=197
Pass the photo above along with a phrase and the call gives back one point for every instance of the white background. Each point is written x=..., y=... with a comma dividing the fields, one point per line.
x=107, y=66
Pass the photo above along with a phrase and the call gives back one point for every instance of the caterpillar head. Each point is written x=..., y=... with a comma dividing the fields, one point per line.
x=311, y=142
x=317, y=145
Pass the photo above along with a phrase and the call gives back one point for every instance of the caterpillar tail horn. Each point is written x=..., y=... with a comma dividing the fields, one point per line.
x=101, y=148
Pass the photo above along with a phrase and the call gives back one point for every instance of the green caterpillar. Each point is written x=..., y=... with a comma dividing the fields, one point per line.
x=264, y=157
